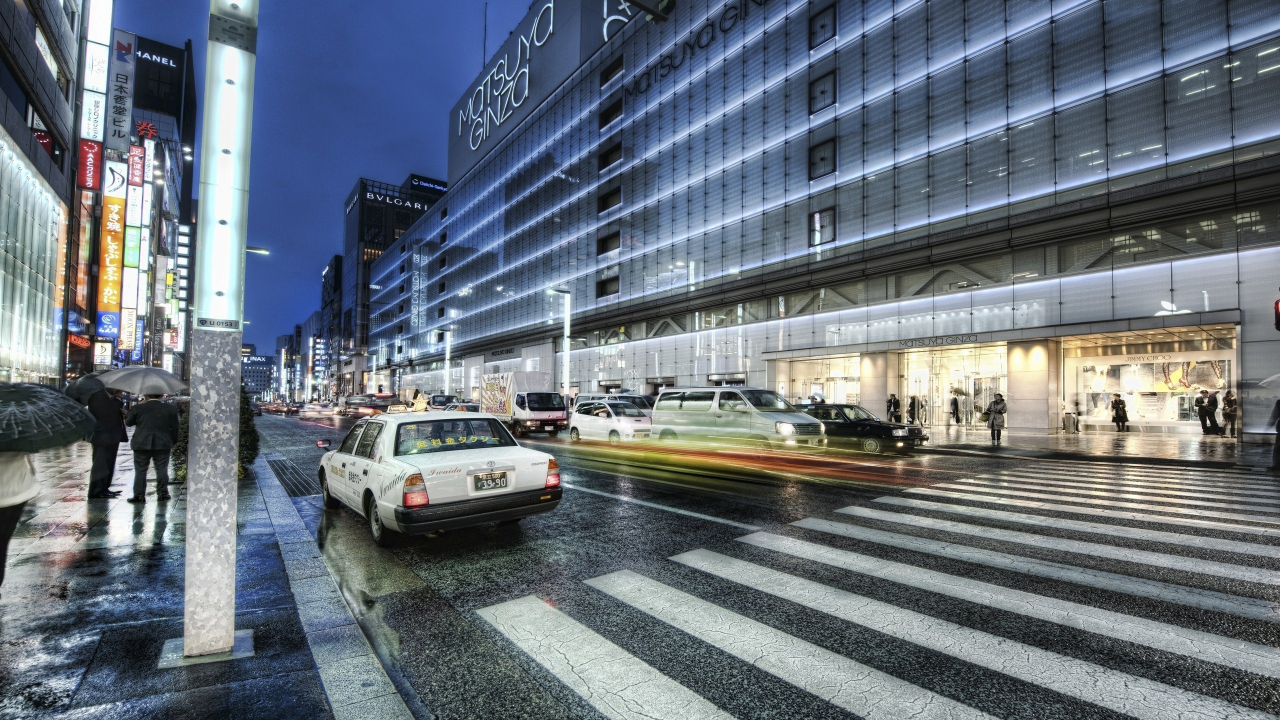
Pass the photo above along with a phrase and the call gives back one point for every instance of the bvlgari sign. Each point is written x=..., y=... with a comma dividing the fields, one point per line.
x=382, y=199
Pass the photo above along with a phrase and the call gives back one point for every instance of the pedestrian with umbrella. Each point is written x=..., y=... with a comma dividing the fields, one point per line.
x=156, y=424
x=32, y=418
x=108, y=411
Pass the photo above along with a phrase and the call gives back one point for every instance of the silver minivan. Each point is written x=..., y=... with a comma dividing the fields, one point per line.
x=735, y=415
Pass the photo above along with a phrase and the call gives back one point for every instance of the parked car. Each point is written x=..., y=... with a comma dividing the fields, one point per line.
x=735, y=415
x=415, y=473
x=614, y=421
x=440, y=402
x=853, y=426
x=640, y=401
x=462, y=407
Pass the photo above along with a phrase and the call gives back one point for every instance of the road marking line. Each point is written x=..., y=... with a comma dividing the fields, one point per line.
x=1080, y=679
x=1239, y=654
x=1126, y=486
x=1107, y=503
x=1195, y=541
x=1167, y=592
x=848, y=684
x=656, y=506
x=618, y=684
x=1027, y=485
x=1141, y=469
x=1048, y=542
x=1259, y=490
x=1120, y=514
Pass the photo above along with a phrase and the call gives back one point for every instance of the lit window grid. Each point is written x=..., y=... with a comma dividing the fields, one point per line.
x=581, y=143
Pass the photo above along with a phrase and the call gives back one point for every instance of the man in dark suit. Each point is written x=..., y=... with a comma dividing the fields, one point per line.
x=1207, y=409
x=157, y=431
x=107, y=409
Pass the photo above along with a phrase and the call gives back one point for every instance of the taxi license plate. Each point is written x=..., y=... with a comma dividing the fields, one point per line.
x=813, y=441
x=491, y=481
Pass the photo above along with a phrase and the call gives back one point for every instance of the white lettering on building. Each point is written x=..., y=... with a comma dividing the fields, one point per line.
x=392, y=200
x=506, y=87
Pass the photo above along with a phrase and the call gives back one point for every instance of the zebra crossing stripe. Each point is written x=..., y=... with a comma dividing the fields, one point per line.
x=1198, y=480
x=1145, y=557
x=1141, y=469
x=1251, y=608
x=1028, y=485
x=1093, y=683
x=1239, y=654
x=848, y=684
x=615, y=682
x=1098, y=512
x=1193, y=541
x=1108, y=503
x=1143, y=487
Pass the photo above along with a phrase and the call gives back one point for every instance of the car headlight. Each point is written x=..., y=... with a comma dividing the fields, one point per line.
x=900, y=432
x=784, y=428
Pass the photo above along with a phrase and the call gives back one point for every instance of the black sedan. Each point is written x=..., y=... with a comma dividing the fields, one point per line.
x=853, y=426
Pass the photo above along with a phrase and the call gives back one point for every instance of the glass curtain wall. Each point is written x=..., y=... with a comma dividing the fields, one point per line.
x=32, y=232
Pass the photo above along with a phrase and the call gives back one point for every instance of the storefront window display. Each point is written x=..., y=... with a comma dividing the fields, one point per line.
x=972, y=376
x=1159, y=390
x=834, y=379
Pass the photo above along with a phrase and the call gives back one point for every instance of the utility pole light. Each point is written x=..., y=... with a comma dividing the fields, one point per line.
x=210, y=586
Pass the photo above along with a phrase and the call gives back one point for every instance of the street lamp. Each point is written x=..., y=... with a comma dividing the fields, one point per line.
x=565, y=371
x=257, y=250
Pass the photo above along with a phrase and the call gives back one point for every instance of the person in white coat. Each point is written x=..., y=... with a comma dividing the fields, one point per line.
x=17, y=486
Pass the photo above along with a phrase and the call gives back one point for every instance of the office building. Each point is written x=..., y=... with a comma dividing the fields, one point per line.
x=857, y=198
x=255, y=371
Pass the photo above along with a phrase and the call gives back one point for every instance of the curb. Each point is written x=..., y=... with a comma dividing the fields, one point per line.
x=355, y=682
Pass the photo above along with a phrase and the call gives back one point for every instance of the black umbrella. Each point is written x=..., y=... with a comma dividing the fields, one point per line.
x=35, y=417
x=85, y=386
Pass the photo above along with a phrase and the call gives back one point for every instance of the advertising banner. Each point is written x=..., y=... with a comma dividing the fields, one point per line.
x=115, y=180
x=110, y=267
x=137, y=164
x=132, y=245
x=128, y=328
x=133, y=206
x=144, y=291
x=120, y=81
x=96, y=58
x=138, y=341
x=89, y=173
x=128, y=290
x=102, y=353
x=148, y=192
x=93, y=116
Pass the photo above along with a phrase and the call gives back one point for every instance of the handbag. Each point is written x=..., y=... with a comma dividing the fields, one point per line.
x=984, y=417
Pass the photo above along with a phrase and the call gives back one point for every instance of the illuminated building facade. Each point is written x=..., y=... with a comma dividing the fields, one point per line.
x=858, y=198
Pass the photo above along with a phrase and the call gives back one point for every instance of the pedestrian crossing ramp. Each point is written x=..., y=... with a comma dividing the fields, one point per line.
x=1058, y=590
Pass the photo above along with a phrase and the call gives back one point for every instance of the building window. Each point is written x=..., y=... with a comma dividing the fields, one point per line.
x=610, y=156
x=822, y=159
x=823, y=224
x=439, y=336
x=439, y=312
x=444, y=238
x=822, y=26
x=440, y=288
x=608, y=243
x=403, y=248
x=402, y=270
x=611, y=71
x=442, y=262
x=610, y=113
x=610, y=199
x=605, y=288
x=399, y=330
x=822, y=93
x=399, y=349
x=444, y=213
x=400, y=311
x=402, y=286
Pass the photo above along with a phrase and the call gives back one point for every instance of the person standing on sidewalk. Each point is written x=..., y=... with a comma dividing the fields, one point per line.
x=1207, y=408
x=1230, y=412
x=17, y=486
x=107, y=409
x=893, y=408
x=1119, y=413
x=157, y=431
x=995, y=417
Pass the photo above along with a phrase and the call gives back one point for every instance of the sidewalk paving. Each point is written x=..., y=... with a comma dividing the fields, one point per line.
x=94, y=588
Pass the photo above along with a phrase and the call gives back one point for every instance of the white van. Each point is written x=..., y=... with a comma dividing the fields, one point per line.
x=640, y=401
x=734, y=415
x=613, y=421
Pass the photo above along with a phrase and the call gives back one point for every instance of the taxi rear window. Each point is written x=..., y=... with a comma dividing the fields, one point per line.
x=432, y=436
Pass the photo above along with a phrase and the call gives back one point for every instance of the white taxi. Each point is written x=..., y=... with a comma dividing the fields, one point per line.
x=419, y=472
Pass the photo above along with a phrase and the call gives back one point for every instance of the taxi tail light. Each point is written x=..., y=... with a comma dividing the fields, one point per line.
x=553, y=474
x=415, y=492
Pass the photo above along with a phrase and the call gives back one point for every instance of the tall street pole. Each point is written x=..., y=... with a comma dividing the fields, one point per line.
x=448, y=346
x=222, y=226
x=566, y=349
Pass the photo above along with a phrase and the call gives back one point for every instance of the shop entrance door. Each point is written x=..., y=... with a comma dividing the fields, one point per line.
x=932, y=378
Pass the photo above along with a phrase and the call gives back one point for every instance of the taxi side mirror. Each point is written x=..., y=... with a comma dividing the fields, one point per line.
x=322, y=444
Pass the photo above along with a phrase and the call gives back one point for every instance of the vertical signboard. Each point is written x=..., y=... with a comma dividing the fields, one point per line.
x=120, y=82
x=137, y=164
x=96, y=59
x=139, y=339
x=110, y=266
x=115, y=179
x=133, y=206
x=132, y=245
x=93, y=115
x=128, y=328
x=89, y=174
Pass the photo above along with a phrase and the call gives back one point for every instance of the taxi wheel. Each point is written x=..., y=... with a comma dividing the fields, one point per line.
x=573, y=435
x=330, y=502
x=871, y=445
x=382, y=537
x=614, y=437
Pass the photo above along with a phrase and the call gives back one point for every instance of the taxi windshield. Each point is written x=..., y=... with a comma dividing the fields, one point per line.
x=432, y=436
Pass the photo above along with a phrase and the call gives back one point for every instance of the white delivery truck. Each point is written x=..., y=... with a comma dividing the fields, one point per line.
x=526, y=402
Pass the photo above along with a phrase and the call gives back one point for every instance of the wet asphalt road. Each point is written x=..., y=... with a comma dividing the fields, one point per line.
x=945, y=585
